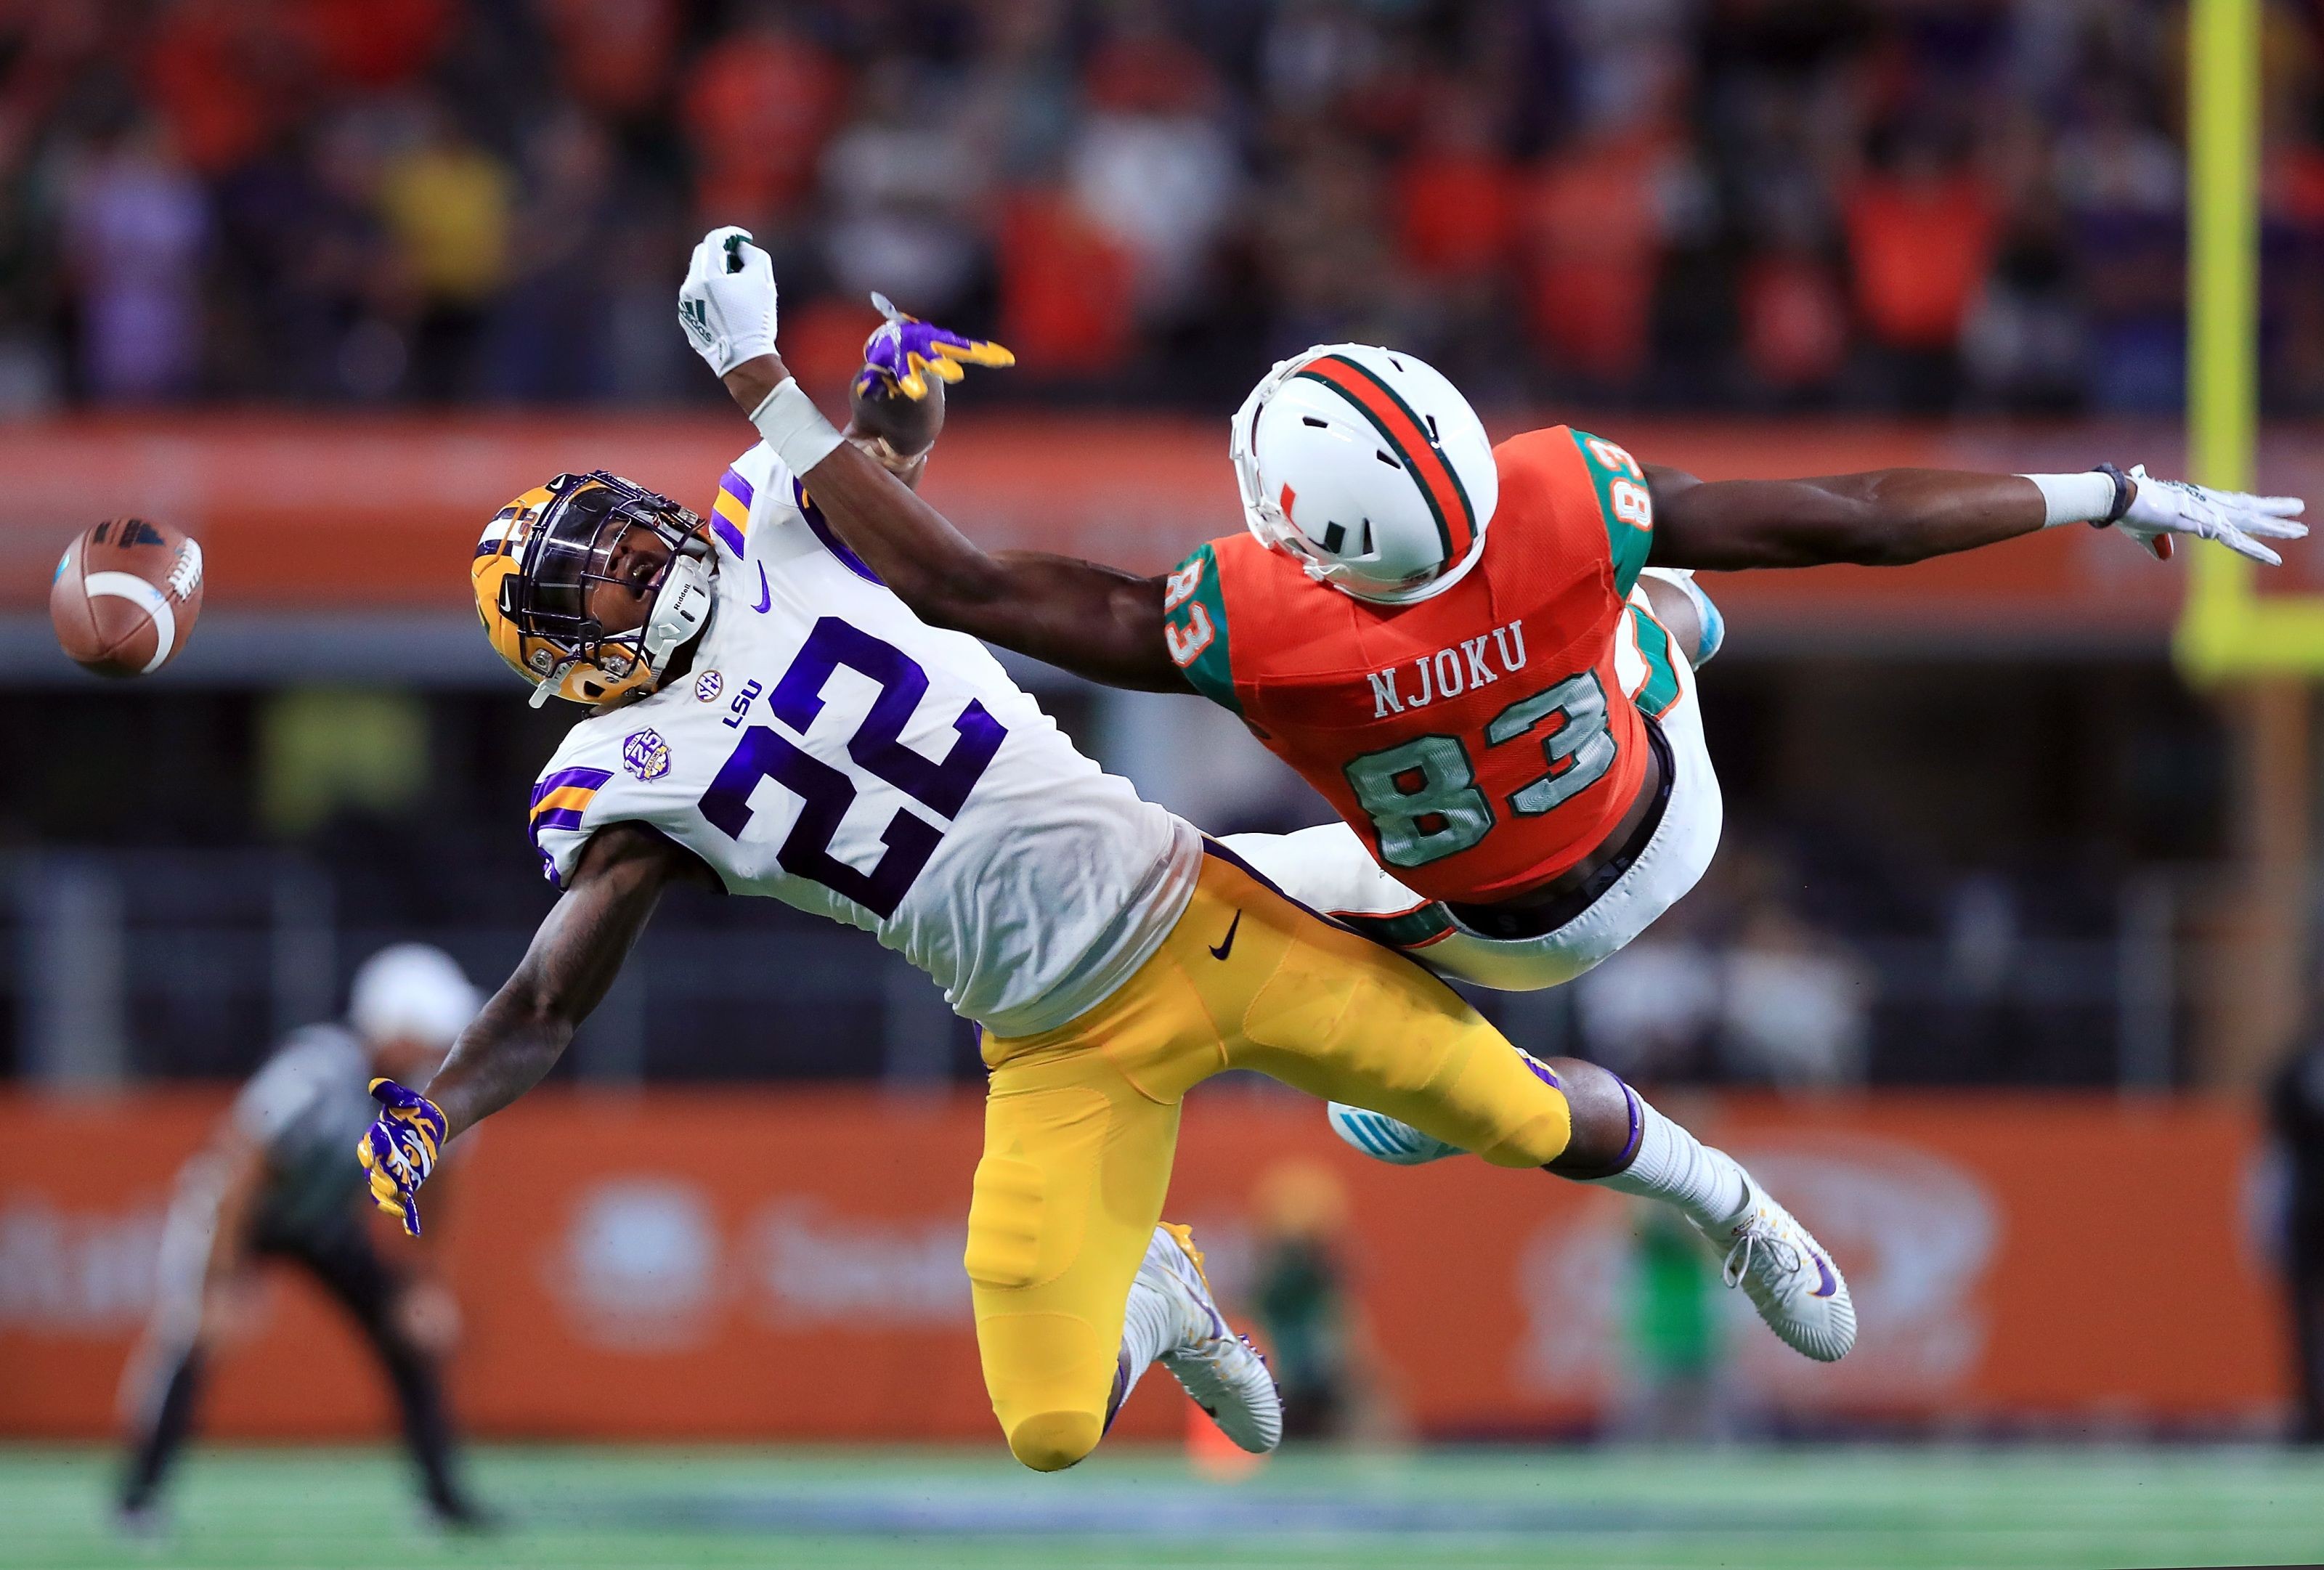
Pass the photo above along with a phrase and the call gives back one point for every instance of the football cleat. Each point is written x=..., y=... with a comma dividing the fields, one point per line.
x=1225, y=1374
x=1789, y=1277
x=1386, y=1139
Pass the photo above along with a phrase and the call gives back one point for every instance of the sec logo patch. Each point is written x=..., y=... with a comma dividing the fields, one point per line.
x=708, y=685
x=645, y=754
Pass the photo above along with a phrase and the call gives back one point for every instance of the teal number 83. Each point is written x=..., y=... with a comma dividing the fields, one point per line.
x=1423, y=797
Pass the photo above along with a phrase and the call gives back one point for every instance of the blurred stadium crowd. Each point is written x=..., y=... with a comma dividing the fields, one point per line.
x=1757, y=206
x=1696, y=204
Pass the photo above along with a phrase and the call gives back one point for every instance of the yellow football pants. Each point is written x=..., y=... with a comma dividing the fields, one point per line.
x=1081, y=1121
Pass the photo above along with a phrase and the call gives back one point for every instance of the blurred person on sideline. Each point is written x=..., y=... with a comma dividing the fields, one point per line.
x=277, y=1182
x=2295, y=1115
x=1301, y=1290
x=1675, y=1391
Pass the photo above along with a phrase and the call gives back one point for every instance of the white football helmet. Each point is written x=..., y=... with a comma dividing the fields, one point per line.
x=1369, y=468
x=410, y=992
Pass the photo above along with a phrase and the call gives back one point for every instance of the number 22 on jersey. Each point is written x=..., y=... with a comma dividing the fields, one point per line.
x=877, y=747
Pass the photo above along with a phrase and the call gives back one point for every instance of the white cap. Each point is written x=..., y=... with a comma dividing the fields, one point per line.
x=410, y=991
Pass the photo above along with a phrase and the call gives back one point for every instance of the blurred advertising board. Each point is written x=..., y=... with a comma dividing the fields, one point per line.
x=382, y=513
x=786, y=1265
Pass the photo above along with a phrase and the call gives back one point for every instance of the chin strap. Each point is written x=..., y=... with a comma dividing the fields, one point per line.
x=682, y=608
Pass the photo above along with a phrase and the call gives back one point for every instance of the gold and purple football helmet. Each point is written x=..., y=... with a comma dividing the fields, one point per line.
x=545, y=565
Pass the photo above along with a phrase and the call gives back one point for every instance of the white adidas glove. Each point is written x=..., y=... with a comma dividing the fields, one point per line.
x=2164, y=508
x=727, y=305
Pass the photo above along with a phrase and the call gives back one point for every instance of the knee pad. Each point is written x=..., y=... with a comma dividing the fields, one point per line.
x=1053, y=1441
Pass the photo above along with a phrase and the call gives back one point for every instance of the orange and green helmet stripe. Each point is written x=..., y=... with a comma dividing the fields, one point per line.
x=1409, y=440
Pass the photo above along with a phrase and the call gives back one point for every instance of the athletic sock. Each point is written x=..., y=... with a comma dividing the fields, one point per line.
x=1151, y=1323
x=1672, y=1165
x=166, y=1428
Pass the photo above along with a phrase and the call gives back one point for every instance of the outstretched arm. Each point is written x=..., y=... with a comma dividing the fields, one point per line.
x=574, y=958
x=1889, y=517
x=1095, y=620
x=526, y=1027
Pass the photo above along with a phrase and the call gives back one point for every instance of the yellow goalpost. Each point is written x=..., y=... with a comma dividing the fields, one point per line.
x=2225, y=628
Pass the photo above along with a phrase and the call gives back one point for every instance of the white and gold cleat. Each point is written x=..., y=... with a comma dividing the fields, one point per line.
x=1225, y=1374
x=1789, y=1277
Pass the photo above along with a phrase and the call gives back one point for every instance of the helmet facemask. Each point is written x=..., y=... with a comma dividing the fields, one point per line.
x=593, y=538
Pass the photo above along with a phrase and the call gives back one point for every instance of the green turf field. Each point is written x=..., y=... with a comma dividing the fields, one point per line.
x=585, y=1508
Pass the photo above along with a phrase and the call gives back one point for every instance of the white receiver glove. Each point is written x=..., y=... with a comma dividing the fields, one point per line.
x=2164, y=508
x=727, y=305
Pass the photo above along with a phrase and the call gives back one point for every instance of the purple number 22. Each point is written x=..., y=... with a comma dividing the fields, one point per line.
x=826, y=793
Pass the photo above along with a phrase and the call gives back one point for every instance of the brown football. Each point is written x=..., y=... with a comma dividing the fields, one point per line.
x=125, y=597
x=908, y=425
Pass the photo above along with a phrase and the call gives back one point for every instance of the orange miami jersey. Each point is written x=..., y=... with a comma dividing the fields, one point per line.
x=1480, y=740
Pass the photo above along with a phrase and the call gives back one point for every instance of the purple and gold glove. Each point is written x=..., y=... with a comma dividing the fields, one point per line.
x=906, y=351
x=400, y=1150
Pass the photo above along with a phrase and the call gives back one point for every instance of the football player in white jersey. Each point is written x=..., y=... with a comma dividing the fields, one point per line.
x=768, y=718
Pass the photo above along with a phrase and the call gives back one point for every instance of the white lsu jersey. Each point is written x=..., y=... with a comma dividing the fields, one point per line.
x=829, y=748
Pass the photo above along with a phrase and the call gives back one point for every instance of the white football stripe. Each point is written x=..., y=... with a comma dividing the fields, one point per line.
x=128, y=585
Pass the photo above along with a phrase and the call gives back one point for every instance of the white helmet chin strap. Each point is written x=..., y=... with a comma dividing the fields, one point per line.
x=681, y=609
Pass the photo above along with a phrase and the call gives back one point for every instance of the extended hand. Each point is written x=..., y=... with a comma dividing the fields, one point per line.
x=399, y=1148
x=2164, y=508
x=727, y=304
x=905, y=351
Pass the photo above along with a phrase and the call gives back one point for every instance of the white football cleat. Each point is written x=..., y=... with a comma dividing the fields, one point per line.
x=1788, y=1277
x=1225, y=1374
x=1386, y=1139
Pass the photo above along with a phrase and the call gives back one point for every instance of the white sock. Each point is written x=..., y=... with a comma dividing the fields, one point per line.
x=1151, y=1321
x=1674, y=1167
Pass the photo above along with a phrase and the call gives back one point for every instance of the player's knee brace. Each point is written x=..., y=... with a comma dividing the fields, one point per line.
x=1053, y=1441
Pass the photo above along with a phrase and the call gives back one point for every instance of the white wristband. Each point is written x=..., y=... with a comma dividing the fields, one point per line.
x=794, y=428
x=2084, y=498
